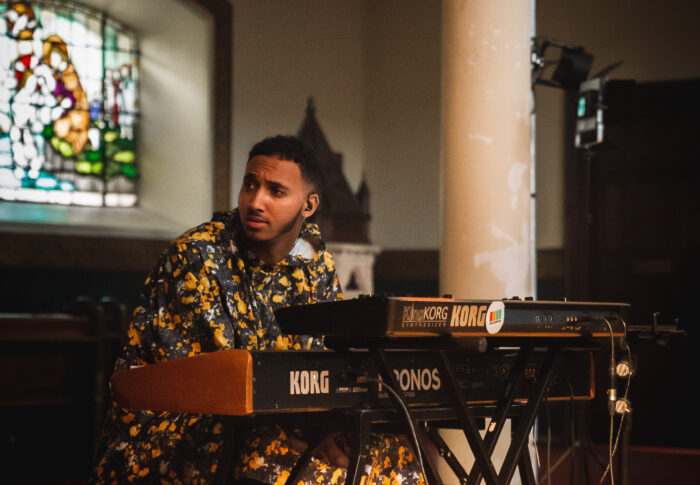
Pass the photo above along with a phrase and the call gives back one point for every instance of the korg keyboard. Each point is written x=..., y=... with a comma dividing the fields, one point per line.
x=379, y=316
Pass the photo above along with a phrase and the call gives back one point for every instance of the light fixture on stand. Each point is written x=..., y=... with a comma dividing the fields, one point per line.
x=590, y=107
x=567, y=70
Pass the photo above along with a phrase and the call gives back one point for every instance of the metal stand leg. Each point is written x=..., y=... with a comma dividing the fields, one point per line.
x=224, y=474
x=466, y=421
x=303, y=461
x=527, y=474
x=498, y=421
x=527, y=418
x=359, y=442
x=447, y=455
x=429, y=457
x=624, y=466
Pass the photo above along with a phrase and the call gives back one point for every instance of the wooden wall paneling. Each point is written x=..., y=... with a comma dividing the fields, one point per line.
x=78, y=252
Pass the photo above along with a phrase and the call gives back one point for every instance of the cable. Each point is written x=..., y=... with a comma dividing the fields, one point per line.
x=414, y=438
x=549, y=439
x=612, y=398
x=608, y=469
x=612, y=391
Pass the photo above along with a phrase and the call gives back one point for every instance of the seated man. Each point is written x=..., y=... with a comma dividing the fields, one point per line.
x=216, y=288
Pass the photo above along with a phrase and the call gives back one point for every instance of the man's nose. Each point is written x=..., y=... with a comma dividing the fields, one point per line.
x=257, y=199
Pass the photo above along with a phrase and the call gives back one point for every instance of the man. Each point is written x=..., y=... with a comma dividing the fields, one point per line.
x=216, y=288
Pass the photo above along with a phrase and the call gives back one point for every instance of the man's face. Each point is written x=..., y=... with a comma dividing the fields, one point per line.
x=272, y=200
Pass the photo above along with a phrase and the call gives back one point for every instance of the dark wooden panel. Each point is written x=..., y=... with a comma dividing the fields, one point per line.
x=78, y=252
x=411, y=264
x=550, y=264
x=50, y=397
x=632, y=236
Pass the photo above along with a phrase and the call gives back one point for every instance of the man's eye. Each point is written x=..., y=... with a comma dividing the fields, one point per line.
x=278, y=192
x=248, y=185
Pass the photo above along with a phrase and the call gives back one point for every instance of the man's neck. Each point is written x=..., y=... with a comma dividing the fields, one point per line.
x=276, y=250
x=271, y=253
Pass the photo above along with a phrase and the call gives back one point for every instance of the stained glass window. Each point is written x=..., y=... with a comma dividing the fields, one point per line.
x=68, y=105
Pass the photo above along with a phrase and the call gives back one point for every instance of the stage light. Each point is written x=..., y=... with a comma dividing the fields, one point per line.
x=570, y=67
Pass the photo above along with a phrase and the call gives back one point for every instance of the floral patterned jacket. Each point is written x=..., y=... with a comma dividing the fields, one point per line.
x=205, y=294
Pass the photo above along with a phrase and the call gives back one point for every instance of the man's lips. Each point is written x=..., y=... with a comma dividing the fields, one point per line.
x=254, y=221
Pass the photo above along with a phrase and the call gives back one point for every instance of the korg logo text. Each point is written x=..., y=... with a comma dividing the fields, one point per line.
x=427, y=314
x=308, y=382
x=468, y=316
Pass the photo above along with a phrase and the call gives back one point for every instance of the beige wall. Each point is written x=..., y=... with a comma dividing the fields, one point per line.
x=402, y=129
x=656, y=40
x=373, y=70
x=286, y=51
x=175, y=127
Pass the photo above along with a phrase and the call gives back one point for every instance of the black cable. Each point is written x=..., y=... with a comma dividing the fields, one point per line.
x=414, y=438
x=612, y=399
x=622, y=418
x=612, y=391
x=549, y=439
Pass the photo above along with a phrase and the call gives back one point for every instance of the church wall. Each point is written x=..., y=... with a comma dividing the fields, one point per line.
x=374, y=71
x=402, y=129
x=176, y=105
x=285, y=52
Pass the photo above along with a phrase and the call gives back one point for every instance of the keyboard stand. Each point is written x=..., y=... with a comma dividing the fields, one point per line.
x=517, y=456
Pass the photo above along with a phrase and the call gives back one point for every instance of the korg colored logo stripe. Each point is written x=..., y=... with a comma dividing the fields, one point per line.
x=496, y=313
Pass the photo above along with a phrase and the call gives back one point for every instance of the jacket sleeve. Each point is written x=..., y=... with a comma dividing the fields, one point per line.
x=180, y=315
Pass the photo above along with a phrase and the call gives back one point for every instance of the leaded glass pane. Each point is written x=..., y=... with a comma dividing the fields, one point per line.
x=68, y=106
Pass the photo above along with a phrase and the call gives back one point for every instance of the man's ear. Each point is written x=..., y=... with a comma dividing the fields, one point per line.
x=312, y=202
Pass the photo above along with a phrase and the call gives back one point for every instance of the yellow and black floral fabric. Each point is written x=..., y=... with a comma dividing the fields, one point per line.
x=270, y=456
x=208, y=293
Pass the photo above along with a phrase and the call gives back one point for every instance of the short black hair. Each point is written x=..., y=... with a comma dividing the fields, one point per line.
x=288, y=147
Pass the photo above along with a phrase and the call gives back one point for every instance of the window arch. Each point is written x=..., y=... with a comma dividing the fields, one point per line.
x=68, y=105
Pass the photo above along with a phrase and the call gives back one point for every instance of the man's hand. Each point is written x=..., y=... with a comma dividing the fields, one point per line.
x=328, y=450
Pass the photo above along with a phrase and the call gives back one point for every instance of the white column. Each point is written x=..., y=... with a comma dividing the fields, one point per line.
x=486, y=225
x=486, y=149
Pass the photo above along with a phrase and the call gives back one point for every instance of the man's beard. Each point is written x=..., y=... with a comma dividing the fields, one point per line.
x=287, y=227
x=292, y=222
